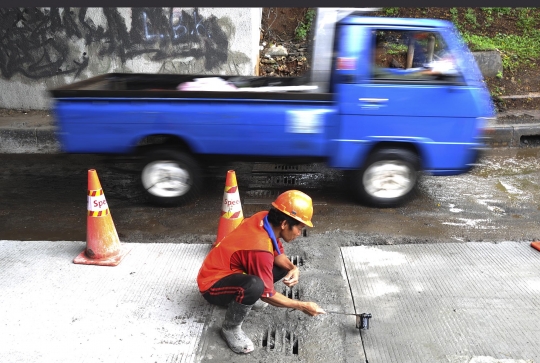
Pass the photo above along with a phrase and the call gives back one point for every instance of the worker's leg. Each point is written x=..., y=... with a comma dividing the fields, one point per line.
x=231, y=329
x=279, y=273
x=242, y=288
x=238, y=292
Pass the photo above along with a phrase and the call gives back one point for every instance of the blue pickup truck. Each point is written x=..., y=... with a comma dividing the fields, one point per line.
x=399, y=96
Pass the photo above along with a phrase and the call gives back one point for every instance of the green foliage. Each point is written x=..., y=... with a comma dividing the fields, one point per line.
x=526, y=19
x=516, y=50
x=496, y=91
x=470, y=16
x=397, y=48
x=454, y=14
x=303, y=28
x=502, y=11
x=391, y=11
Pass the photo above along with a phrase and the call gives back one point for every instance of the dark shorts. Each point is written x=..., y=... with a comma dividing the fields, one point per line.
x=242, y=288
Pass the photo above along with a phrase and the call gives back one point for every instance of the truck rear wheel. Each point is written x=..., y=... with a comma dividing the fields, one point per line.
x=170, y=177
x=388, y=178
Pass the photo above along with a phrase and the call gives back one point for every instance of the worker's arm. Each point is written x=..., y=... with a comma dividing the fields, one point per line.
x=293, y=275
x=282, y=301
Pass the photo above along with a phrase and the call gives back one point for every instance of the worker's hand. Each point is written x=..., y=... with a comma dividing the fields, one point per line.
x=311, y=308
x=292, y=277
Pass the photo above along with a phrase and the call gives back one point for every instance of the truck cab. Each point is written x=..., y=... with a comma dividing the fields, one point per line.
x=411, y=97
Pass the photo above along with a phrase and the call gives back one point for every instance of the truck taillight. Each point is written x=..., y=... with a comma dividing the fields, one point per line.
x=345, y=64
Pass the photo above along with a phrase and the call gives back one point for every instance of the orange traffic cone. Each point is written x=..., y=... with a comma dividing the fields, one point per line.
x=536, y=245
x=102, y=244
x=231, y=209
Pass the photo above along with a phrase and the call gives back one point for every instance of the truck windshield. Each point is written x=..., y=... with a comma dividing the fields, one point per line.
x=411, y=55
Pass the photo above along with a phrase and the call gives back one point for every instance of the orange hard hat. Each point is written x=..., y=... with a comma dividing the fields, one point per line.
x=295, y=204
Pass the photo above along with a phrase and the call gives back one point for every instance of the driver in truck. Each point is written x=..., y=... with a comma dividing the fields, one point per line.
x=240, y=271
x=418, y=63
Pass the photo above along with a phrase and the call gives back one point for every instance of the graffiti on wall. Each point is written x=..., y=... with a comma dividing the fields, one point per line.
x=45, y=42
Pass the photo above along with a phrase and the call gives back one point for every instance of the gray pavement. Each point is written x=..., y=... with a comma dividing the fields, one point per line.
x=473, y=302
x=455, y=301
x=148, y=309
x=36, y=132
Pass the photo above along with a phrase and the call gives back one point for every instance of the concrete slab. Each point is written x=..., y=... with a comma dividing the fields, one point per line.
x=146, y=309
x=457, y=302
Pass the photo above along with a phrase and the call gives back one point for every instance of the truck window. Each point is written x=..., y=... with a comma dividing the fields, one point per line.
x=411, y=56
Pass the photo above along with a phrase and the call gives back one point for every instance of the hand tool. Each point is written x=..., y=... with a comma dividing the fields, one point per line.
x=362, y=320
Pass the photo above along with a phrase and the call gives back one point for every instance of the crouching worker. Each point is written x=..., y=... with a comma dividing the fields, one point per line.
x=242, y=268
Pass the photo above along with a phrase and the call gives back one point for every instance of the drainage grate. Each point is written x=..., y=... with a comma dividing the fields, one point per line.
x=278, y=168
x=285, y=181
x=530, y=140
x=261, y=196
x=280, y=340
x=271, y=180
x=297, y=260
x=291, y=292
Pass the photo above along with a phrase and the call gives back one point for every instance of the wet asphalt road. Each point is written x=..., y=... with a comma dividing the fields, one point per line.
x=44, y=198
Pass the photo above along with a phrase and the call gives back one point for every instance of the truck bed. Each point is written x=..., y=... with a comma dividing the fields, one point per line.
x=141, y=85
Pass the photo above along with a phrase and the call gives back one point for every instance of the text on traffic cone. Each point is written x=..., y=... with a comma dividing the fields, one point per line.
x=231, y=208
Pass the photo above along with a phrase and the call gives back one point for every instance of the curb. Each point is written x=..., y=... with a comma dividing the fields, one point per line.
x=510, y=135
x=37, y=140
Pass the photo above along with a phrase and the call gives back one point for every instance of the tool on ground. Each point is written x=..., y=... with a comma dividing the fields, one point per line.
x=362, y=320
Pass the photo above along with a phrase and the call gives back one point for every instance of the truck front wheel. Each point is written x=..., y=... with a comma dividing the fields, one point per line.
x=388, y=177
x=170, y=177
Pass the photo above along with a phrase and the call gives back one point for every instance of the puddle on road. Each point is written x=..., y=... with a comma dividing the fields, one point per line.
x=508, y=162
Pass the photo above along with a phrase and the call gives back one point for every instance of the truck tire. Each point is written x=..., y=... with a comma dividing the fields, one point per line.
x=388, y=178
x=170, y=177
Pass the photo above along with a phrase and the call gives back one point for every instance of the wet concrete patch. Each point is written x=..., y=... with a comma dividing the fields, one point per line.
x=284, y=335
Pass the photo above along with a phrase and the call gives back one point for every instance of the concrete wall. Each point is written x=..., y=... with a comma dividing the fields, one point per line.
x=44, y=48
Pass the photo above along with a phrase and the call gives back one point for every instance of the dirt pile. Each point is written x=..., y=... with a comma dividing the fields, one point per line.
x=278, y=29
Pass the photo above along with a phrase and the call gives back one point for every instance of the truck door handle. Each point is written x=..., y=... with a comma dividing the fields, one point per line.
x=373, y=100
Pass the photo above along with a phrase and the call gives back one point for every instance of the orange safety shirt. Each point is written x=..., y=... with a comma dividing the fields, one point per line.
x=235, y=254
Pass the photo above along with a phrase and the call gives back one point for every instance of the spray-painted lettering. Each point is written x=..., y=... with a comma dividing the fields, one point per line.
x=181, y=25
x=45, y=42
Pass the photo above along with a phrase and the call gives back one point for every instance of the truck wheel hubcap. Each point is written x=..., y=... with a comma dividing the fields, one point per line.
x=388, y=179
x=166, y=179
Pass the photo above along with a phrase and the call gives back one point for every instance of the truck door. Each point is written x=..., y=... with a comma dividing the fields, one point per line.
x=407, y=88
